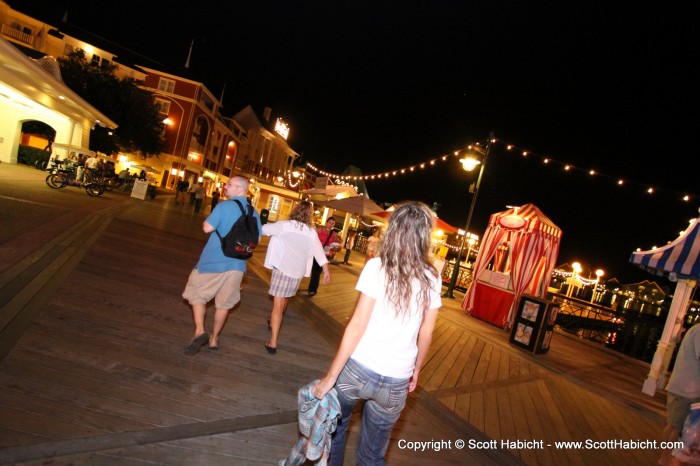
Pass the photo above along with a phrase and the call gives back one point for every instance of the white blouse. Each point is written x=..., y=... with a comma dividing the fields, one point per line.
x=293, y=246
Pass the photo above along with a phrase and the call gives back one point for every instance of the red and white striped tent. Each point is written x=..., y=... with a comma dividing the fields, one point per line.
x=523, y=243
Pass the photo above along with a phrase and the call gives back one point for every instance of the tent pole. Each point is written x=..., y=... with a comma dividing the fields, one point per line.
x=662, y=358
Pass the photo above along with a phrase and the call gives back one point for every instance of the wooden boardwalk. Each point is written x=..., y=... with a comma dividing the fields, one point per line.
x=92, y=328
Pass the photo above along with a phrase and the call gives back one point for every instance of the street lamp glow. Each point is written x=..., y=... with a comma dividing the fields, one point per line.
x=574, y=276
x=598, y=273
x=469, y=163
x=485, y=155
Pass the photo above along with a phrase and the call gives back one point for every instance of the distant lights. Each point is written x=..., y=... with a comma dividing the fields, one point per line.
x=591, y=172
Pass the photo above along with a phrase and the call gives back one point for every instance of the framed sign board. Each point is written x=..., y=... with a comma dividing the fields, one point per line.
x=531, y=327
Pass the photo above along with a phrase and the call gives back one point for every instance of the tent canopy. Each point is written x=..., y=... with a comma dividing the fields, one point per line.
x=146, y=168
x=332, y=190
x=71, y=148
x=680, y=262
x=524, y=243
x=359, y=205
x=680, y=258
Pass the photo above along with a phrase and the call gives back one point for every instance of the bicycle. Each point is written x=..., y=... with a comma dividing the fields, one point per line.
x=62, y=177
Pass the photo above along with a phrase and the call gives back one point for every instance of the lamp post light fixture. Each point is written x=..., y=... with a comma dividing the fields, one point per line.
x=598, y=273
x=471, y=242
x=469, y=163
x=574, y=276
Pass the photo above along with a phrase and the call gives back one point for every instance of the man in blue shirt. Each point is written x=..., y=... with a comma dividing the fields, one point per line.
x=215, y=275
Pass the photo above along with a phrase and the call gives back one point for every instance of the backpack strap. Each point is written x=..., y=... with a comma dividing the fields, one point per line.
x=243, y=212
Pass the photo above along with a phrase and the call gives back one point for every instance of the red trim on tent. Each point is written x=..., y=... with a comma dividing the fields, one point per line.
x=530, y=258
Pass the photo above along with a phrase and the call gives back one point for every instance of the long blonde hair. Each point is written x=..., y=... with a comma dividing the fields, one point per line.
x=405, y=256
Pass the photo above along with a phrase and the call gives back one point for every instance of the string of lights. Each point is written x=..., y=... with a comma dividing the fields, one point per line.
x=564, y=274
x=545, y=160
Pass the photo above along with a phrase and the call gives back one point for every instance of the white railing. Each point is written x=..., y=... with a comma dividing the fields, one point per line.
x=17, y=35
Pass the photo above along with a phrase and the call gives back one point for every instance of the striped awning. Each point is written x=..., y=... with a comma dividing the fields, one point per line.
x=679, y=259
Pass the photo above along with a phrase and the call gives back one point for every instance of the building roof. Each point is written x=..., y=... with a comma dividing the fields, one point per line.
x=33, y=80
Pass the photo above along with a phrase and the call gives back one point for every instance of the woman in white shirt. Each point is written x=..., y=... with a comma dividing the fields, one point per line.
x=293, y=246
x=388, y=337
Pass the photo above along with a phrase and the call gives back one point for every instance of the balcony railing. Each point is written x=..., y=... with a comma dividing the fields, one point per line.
x=17, y=35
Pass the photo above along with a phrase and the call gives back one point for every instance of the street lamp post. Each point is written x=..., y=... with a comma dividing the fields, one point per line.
x=598, y=273
x=455, y=270
x=574, y=276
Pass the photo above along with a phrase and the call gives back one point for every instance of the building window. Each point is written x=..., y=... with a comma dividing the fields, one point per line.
x=166, y=85
x=163, y=106
x=67, y=49
x=96, y=60
x=274, y=203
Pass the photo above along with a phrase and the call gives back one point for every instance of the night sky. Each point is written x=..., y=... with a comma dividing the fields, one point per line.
x=384, y=85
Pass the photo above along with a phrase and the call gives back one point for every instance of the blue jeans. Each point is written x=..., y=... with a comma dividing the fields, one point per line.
x=385, y=399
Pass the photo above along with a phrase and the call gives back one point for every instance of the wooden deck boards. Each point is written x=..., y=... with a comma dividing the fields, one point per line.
x=104, y=357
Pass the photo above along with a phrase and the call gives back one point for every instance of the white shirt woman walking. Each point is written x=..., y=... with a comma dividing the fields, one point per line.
x=386, y=341
x=293, y=246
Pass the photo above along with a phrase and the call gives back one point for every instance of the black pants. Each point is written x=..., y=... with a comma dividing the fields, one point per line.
x=347, y=256
x=315, y=277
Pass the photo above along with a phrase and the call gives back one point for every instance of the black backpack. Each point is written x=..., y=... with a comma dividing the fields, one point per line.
x=243, y=237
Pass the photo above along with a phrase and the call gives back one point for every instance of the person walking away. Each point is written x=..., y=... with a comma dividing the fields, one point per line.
x=373, y=243
x=387, y=339
x=327, y=237
x=216, y=276
x=349, y=244
x=215, y=195
x=181, y=189
x=294, y=244
x=199, y=194
x=682, y=391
